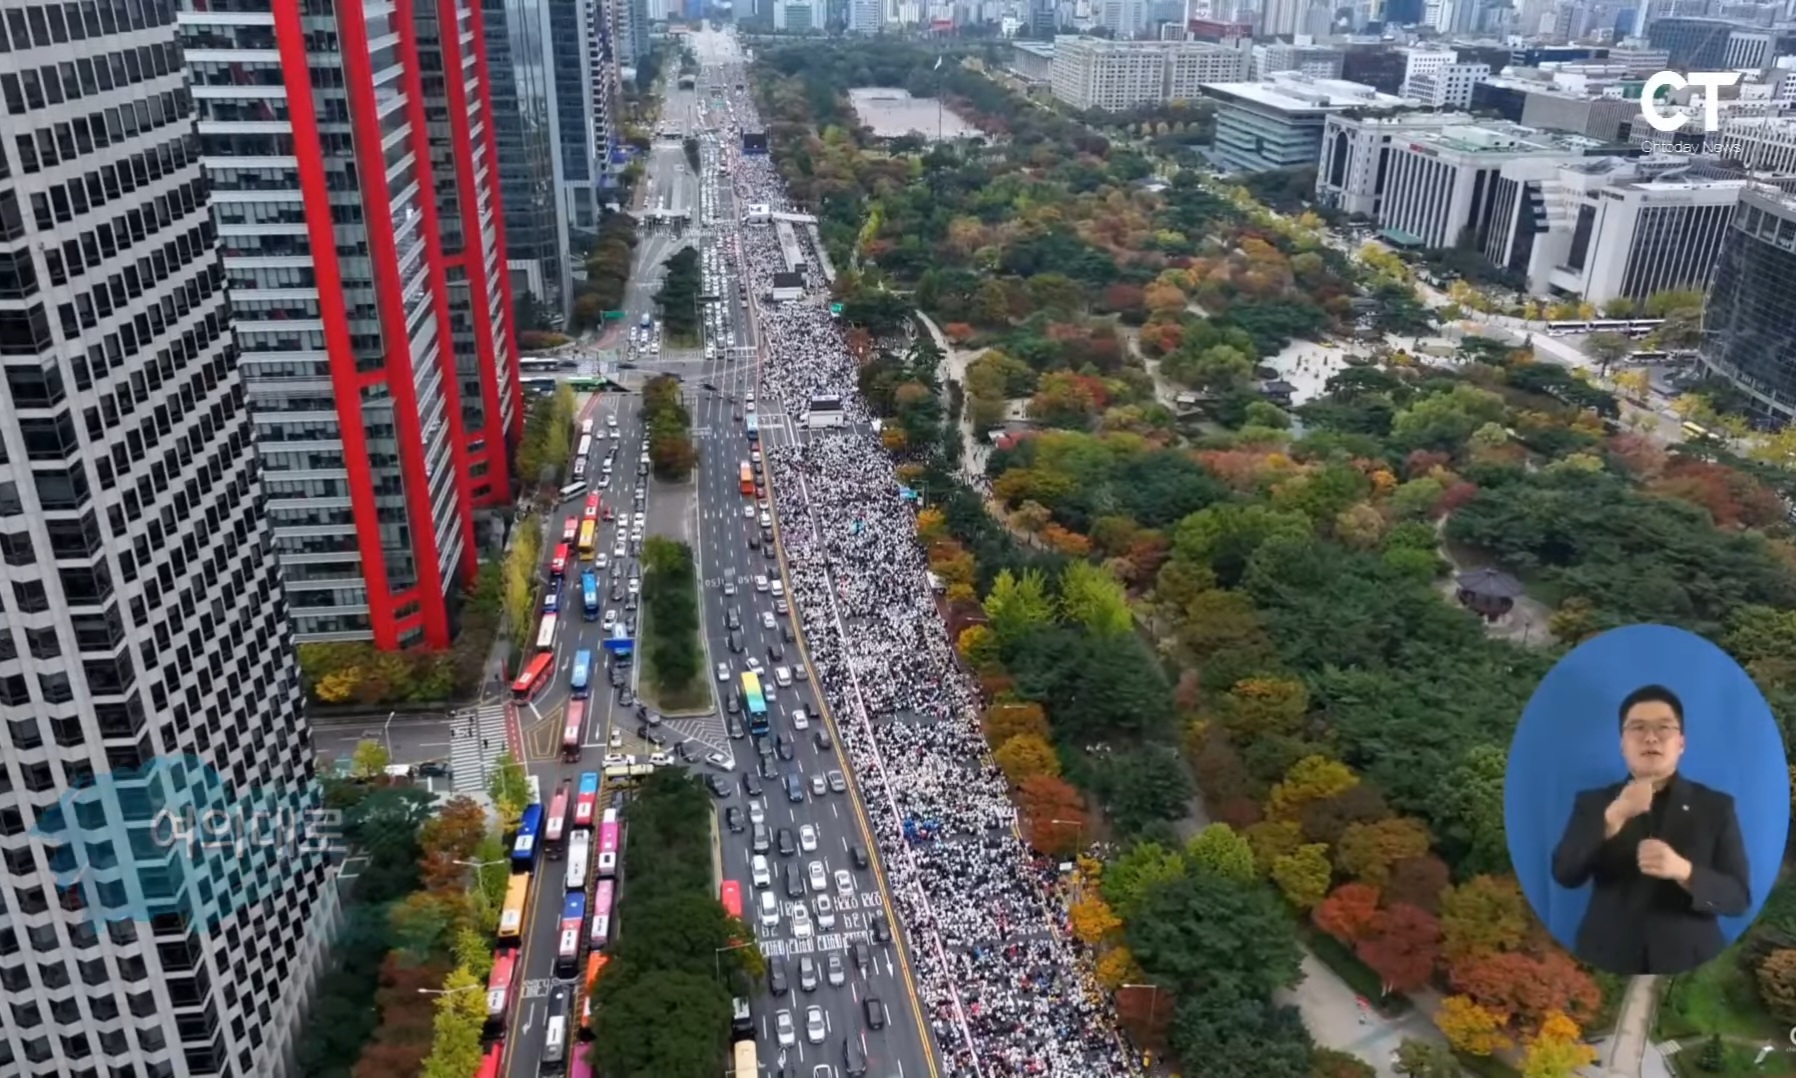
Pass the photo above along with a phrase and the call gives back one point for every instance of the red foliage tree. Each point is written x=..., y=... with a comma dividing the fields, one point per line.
x=1125, y=299
x=1528, y=986
x=1454, y=496
x=1053, y=814
x=1423, y=461
x=1733, y=500
x=1401, y=945
x=1348, y=913
x=957, y=332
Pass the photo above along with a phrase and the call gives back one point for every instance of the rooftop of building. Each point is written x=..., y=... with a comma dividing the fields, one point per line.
x=1043, y=49
x=1502, y=137
x=1104, y=44
x=1414, y=116
x=1289, y=91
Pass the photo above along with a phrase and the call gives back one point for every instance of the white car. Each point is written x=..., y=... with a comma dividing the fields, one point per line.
x=782, y=675
x=807, y=838
x=723, y=671
x=779, y=589
x=782, y=1024
x=661, y=759
x=757, y=812
x=615, y=759
x=818, y=881
x=761, y=583
x=800, y=721
x=635, y=585
x=826, y=912
x=616, y=740
x=602, y=561
x=748, y=511
x=610, y=619
x=766, y=520
x=814, y=1029
x=769, y=624
x=760, y=873
x=754, y=665
x=801, y=920
x=618, y=550
x=844, y=882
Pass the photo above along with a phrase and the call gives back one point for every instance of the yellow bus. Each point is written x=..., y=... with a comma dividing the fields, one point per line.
x=1693, y=430
x=747, y=1064
x=511, y=915
x=589, y=536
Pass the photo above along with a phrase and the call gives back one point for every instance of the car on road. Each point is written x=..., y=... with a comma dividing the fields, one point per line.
x=863, y=955
x=624, y=696
x=761, y=583
x=754, y=665
x=783, y=746
x=800, y=719
x=786, y=633
x=821, y=740
x=775, y=651
x=819, y=786
x=854, y=1058
x=814, y=1029
x=767, y=621
x=748, y=511
x=735, y=641
x=838, y=783
x=767, y=769
x=844, y=880
x=780, y=608
x=770, y=909
x=733, y=726
x=794, y=885
x=759, y=873
x=719, y=785
x=729, y=587
x=857, y=855
x=721, y=761
x=788, y=847
x=782, y=1024
x=732, y=819
x=610, y=620
x=723, y=671
x=835, y=970
x=882, y=932
x=876, y=1012
x=807, y=838
x=807, y=973
x=751, y=785
x=801, y=922
x=732, y=703
x=794, y=788
x=776, y=978
x=826, y=918
x=635, y=585
x=732, y=618
x=819, y=881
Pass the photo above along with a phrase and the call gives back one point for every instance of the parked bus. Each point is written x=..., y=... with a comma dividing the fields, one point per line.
x=587, y=427
x=603, y=896
x=555, y=824
x=498, y=987
x=608, y=838
x=589, y=595
x=573, y=490
x=747, y=1062
x=589, y=538
x=545, y=633
x=585, y=447
x=534, y=677
x=579, y=849
x=489, y=1063
x=595, y=965
x=573, y=920
x=572, y=727
x=591, y=512
x=511, y=915
x=753, y=425
x=555, y=1035
x=580, y=684
x=523, y=848
x=747, y=484
x=755, y=702
x=570, y=530
x=586, y=799
x=558, y=564
x=730, y=894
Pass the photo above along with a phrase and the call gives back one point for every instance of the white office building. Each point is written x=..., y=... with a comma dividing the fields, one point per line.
x=143, y=617
x=1092, y=73
x=1418, y=62
x=1278, y=122
x=1356, y=149
x=1449, y=87
x=1440, y=183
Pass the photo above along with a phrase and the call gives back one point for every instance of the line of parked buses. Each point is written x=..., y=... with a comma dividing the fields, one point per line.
x=561, y=831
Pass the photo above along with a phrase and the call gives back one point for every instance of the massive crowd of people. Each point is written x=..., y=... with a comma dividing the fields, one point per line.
x=1007, y=991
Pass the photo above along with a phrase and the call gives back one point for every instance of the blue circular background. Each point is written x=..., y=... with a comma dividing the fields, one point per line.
x=1569, y=739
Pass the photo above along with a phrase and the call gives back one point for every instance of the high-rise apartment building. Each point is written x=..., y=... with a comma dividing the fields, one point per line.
x=536, y=241
x=349, y=200
x=142, y=613
x=1094, y=73
x=1750, y=322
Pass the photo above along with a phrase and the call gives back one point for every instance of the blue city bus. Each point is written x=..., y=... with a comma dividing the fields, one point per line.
x=754, y=427
x=589, y=594
x=756, y=702
x=582, y=682
x=523, y=848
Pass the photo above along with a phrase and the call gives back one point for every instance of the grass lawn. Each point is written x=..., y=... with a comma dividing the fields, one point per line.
x=1736, y=1062
x=1718, y=998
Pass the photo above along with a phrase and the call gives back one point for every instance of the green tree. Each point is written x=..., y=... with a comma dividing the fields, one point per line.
x=370, y=760
x=1303, y=875
x=1199, y=929
x=661, y=1024
x=1142, y=786
x=421, y=925
x=1238, y=1036
x=1017, y=606
x=1220, y=851
x=1093, y=598
x=509, y=788
x=460, y=1018
x=1425, y=1059
x=1137, y=871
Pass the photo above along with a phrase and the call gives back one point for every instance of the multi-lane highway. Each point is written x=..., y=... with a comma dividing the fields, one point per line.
x=822, y=926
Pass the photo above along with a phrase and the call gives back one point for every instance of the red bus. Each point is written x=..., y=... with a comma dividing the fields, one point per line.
x=592, y=507
x=570, y=530
x=555, y=827
x=595, y=965
x=730, y=894
x=558, y=565
x=586, y=801
x=534, y=677
x=489, y=1063
x=498, y=986
x=571, y=729
x=747, y=480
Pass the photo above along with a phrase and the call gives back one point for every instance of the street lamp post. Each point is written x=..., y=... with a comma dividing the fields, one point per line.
x=1153, y=1001
x=451, y=991
x=479, y=867
x=387, y=732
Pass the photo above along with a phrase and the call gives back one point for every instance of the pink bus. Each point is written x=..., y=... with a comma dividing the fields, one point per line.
x=601, y=914
x=608, y=838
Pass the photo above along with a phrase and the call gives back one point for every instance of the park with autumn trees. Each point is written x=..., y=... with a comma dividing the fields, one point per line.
x=1224, y=649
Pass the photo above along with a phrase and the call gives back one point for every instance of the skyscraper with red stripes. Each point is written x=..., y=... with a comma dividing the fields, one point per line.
x=351, y=158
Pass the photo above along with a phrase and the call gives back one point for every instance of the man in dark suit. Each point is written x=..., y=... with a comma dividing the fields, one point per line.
x=1664, y=854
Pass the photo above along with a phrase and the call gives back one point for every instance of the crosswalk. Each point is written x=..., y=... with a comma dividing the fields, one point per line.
x=476, y=741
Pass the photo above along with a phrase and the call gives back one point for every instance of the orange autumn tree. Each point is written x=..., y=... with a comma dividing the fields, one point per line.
x=1053, y=814
x=1471, y=1028
x=1348, y=912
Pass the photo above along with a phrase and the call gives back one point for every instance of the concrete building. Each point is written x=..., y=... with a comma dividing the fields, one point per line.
x=1092, y=73
x=1694, y=44
x=1356, y=151
x=1749, y=326
x=1418, y=62
x=1759, y=143
x=1278, y=122
x=1449, y=87
x=1440, y=184
x=1533, y=103
x=1632, y=229
x=1032, y=61
x=1125, y=19
x=145, y=617
x=576, y=131
x=536, y=235
x=355, y=341
x=797, y=16
x=865, y=16
x=1316, y=61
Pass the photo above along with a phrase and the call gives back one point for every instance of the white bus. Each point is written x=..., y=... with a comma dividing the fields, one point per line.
x=545, y=636
x=573, y=490
x=586, y=429
x=585, y=449
x=555, y=1041
x=579, y=845
x=533, y=788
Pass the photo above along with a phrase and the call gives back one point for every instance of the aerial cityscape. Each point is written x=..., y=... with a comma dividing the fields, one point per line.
x=897, y=539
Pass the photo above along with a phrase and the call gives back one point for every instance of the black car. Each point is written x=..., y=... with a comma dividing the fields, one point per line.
x=732, y=704
x=617, y=591
x=653, y=736
x=767, y=769
x=788, y=846
x=618, y=676
x=719, y=785
x=775, y=651
x=858, y=855
x=733, y=819
x=629, y=602
x=786, y=633
x=434, y=769
x=685, y=752
x=820, y=738
x=794, y=884
x=767, y=551
x=751, y=785
x=876, y=1012
x=754, y=541
x=733, y=726
x=795, y=789
x=763, y=747
x=882, y=932
x=736, y=642
x=863, y=955
x=776, y=978
x=732, y=619
x=624, y=696
x=783, y=746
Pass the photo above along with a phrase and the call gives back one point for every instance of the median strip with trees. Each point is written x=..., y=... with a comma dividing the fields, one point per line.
x=673, y=654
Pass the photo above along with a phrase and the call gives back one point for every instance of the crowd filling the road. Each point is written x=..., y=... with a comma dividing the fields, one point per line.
x=1006, y=989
